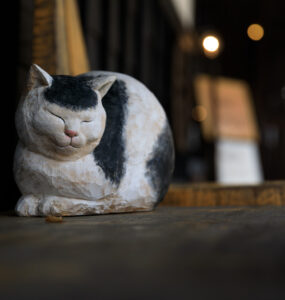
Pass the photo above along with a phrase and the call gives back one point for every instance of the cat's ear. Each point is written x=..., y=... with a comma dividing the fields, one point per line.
x=38, y=77
x=103, y=83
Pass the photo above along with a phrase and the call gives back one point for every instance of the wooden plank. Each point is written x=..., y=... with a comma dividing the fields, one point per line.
x=211, y=194
x=58, y=43
x=94, y=20
x=43, y=44
x=78, y=60
x=25, y=42
x=146, y=68
x=129, y=33
x=62, y=51
x=113, y=36
x=170, y=253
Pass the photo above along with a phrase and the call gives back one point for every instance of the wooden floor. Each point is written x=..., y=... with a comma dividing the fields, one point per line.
x=171, y=253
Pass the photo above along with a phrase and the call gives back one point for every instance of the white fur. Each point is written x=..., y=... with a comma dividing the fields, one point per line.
x=58, y=175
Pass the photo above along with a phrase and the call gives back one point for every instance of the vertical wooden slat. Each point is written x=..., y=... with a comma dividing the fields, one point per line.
x=146, y=48
x=58, y=43
x=159, y=59
x=94, y=32
x=78, y=60
x=113, y=36
x=25, y=53
x=129, y=47
x=43, y=48
x=178, y=100
x=62, y=53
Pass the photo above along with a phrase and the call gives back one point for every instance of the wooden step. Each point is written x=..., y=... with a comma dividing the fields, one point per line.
x=212, y=194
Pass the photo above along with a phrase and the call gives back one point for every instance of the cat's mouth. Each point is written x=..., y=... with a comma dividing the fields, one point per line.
x=68, y=146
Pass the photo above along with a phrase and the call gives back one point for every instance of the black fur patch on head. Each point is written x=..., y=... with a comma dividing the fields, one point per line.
x=72, y=92
x=161, y=164
x=110, y=153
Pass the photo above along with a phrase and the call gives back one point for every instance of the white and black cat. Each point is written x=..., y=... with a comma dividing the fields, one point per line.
x=95, y=143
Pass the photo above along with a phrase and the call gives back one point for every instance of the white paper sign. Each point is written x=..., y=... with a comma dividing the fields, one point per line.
x=237, y=162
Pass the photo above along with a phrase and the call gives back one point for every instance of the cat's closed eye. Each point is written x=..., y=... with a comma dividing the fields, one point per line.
x=55, y=115
x=86, y=121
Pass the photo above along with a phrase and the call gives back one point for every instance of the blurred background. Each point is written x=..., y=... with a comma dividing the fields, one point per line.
x=217, y=68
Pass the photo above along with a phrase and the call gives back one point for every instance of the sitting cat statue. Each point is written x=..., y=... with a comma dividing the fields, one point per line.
x=94, y=143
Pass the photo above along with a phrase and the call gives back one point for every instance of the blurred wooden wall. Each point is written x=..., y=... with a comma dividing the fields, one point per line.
x=52, y=37
x=130, y=36
x=135, y=37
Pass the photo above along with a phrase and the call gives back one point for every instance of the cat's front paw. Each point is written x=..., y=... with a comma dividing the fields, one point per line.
x=27, y=206
x=52, y=205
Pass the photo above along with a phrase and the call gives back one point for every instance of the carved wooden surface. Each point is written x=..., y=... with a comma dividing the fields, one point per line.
x=211, y=194
x=171, y=253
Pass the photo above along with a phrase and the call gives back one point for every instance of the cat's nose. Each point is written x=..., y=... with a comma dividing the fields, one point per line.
x=70, y=133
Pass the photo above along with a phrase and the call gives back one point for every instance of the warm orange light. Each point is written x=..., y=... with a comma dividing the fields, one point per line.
x=255, y=32
x=211, y=43
x=199, y=113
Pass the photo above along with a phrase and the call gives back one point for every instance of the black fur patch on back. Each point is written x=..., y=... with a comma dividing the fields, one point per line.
x=161, y=164
x=72, y=92
x=110, y=153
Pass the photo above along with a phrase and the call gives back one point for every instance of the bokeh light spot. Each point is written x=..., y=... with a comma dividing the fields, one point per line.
x=255, y=32
x=211, y=43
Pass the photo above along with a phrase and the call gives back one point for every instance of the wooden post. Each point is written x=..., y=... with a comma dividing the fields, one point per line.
x=78, y=60
x=62, y=53
x=58, y=43
x=43, y=42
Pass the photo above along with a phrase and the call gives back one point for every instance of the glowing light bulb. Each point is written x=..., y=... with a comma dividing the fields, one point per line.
x=255, y=32
x=211, y=43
